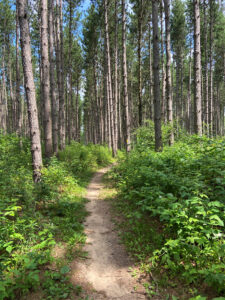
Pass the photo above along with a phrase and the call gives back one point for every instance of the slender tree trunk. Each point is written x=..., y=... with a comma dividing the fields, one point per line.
x=206, y=86
x=55, y=104
x=188, y=117
x=4, y=103
x=157, y=104
x=109, y=79
x=12, y=120
x=18, y=98
x=116, y=78
x=150, y=74
x=169, y=99
x=30, y=89
x=3, y=125
x=60, y=74
x=163, y=65
x=70, y=98
x=211, y=118
x=77, y=117
x=140, y=104
x=125, y=92
x=178, y=95
x=45, y=83
x=197, y=69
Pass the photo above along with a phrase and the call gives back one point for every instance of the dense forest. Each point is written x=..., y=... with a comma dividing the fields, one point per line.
x=136, y=85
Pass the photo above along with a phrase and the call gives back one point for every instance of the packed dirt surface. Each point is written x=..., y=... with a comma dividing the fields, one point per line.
x=106, y=273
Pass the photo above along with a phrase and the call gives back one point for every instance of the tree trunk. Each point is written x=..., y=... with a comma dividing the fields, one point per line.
x=169, y=99
x=140, y=19
x=197, y=69
x=30, y=89
x=109, y=79
x=157, y=104
x=77, y=117
x=45, y=83
x=150, y=73
x=162, y=63
x=116, y=78
x=125, y=92
x=60, y=74
x=206, y=86
x=4, y=101
x=70, y=98
x=211, y=118
x=55, y=104
x=19, y=112
x=188, y=113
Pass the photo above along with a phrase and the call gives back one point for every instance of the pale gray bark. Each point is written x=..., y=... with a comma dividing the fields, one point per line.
x=125, y=92
x=61, y=92
x=45, y=82
x=70, y=96
x=19, y=112
x=151, y=109
x=116, y=78
x=206, y=85
x=109, y=79
x=30, y=89
x=55, y=104
x=211, y=116
x=156, y=88
x=163, y=85
x=140, y=29
x=3, y=126
x=60, y=72
x=197, y=69
x=169, y=99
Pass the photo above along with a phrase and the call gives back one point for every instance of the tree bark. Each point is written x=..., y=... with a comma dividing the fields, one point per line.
x=116, y=78
x=169, y=99
x=70, y=98
x=140, y=19
x=55, y=104
x=163, y=65
x=150, y=73
x=211, y=117
x=109, y=79
x=197, y=69
x=125, y=92
x=60, y=73
x=45, y=83
x=157, y=98
x=206, y=86
x=30, y=89
x=19, y=112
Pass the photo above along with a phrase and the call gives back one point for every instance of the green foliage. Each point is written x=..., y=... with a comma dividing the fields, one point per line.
x=144, y=137
x=34, y=218
x=178, y=27
x=82, y=160
x=182, y=190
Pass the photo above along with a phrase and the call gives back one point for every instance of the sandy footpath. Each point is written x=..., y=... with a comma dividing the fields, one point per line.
x=106, y=272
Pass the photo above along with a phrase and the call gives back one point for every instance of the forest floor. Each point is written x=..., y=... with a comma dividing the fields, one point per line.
x=106, y=273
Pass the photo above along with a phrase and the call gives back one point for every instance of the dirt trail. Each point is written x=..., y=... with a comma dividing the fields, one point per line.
x=105, y=274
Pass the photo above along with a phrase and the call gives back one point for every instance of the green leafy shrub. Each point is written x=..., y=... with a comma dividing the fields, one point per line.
x=183, y=188
x=83, y=160
x=144, y=136
x=34, y=217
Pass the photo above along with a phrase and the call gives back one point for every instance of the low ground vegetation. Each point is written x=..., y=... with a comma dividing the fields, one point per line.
x=174, y=209
x=34, y=219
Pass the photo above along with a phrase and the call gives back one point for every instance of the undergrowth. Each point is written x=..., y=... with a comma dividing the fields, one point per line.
x=33, y=219
x=173, y=203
